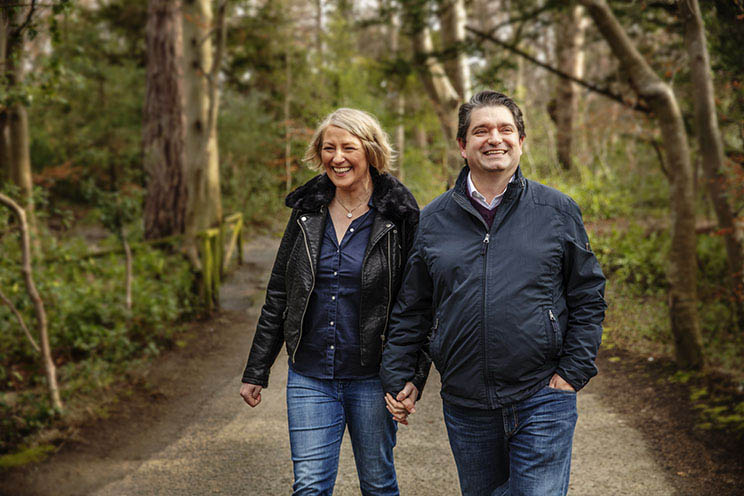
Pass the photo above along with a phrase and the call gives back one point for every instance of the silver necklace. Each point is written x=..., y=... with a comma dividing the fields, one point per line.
x=349, y=212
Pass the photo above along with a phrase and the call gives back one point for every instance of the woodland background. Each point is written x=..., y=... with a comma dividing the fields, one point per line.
x=127, y=127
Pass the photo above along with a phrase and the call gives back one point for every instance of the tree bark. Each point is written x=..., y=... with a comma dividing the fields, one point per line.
x=164, y=129
x=453, y=17
x=569, y=38
x=128, y=271
x=711, y=146
x=201, y=67
x=41, y=319
x=683, y=300
x=4, y=135
x=439, y=88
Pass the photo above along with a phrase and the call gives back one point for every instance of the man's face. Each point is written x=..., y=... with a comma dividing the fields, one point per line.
x=492, y=141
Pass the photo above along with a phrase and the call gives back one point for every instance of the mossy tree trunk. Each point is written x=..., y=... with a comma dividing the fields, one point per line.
x=711, y=147
x=648, y=85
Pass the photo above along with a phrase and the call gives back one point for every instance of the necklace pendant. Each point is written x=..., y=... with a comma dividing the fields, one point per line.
x=349, y=215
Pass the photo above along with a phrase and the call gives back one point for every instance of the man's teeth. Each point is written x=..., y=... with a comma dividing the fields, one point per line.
x=495, y=152
x=341, y=170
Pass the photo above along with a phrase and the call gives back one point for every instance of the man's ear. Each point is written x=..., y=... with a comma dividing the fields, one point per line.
x=461, y=144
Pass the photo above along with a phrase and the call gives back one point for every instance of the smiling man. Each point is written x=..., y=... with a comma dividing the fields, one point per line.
x=503, y=290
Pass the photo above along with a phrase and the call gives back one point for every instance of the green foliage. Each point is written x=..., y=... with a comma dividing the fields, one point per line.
x=92, y=334
x=34, y=454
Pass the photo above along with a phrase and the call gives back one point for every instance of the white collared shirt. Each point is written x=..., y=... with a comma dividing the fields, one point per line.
x=475, y=194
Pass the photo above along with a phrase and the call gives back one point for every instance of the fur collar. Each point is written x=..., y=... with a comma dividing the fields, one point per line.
x=389, y=197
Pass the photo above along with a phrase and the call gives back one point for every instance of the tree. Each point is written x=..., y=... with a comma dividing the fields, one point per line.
x=164, y=132
x=569, y=28
x=711, y=145
x=13, y=114
x=446, y=89
x=646, y=83
x=201, y=71
x=41, y=319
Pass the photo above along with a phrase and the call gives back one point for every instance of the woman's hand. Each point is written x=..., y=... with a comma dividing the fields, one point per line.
x=403, y=404
x=251, y=393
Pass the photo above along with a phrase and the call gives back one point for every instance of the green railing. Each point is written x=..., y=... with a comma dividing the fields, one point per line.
x=215, y=256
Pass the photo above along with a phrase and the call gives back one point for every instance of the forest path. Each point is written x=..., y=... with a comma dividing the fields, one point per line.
x=191, y=434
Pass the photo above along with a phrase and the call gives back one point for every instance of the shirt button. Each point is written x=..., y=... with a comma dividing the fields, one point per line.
x=351, y=229
x=331, y=322
x=335, y=273
x=333, y=347
x=333, y=298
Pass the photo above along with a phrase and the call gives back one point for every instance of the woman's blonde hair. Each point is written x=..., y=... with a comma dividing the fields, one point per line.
x=364, y=126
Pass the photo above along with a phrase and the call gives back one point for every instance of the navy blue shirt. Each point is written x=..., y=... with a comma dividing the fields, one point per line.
x=329, y=345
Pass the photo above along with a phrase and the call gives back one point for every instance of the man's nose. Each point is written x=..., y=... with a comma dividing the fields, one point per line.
x=494, y=136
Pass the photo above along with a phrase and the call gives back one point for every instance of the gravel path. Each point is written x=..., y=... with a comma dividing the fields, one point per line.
x=200, y=438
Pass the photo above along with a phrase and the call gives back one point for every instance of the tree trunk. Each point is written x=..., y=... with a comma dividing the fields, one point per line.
x=683, y=268
x=711, y=146
x=453, y=17
x=440, y=89
x=398, y=96
x=164, y=130
x=41, y=320
x=286, y=108
x=204, y=205
x=128, y=269
x=569, y=38
x=4, y=132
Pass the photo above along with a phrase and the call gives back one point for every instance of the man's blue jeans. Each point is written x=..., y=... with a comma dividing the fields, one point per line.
x=319, y=411
x=523, y=449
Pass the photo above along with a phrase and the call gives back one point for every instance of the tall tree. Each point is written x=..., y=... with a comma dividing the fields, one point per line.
x=201, y=71
x=683, y=267
x=4, y=134
x=14, y=130
x=711, y=145
x=569, y=54
x=440, y=88
x=164, y=130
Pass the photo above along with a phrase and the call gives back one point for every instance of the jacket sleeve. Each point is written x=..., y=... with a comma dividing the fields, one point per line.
x=423, y=360
x=269, y=337
x=584, y=284
x=403, y=358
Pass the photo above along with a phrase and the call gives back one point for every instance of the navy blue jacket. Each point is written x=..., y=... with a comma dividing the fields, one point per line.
x=501, y=309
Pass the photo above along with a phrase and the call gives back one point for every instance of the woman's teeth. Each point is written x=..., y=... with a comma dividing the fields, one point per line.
x=341, y=170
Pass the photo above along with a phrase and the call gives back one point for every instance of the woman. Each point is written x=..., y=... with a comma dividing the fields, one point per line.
x=334, y=281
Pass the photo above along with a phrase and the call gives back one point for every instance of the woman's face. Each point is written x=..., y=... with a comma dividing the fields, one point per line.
x=344, y=159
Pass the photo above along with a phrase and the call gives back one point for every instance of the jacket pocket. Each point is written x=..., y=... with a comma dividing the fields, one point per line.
x=554, y=334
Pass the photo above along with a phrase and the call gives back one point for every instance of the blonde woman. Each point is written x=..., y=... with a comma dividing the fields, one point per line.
x=334, y=281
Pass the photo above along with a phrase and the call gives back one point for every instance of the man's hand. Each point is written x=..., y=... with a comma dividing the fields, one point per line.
x=404, y=403
x=557, y=382
x=251, y=393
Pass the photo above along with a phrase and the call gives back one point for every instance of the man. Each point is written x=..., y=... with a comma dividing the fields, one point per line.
x=504, y=291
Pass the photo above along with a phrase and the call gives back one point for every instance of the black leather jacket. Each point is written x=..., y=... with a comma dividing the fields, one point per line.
x=293, y=276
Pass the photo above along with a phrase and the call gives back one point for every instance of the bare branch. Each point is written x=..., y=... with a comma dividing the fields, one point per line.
x=602, y=91
x=18, y=316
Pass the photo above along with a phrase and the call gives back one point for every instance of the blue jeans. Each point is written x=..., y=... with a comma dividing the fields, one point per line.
x=319, y=411
x=523, y=449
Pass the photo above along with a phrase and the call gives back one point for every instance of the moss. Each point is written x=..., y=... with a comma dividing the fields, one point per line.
x=25, y=456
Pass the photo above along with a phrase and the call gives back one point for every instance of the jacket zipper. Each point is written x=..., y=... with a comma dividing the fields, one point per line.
x=312, y=287
x=484, y=252
x=554, y=328
x=390, y=289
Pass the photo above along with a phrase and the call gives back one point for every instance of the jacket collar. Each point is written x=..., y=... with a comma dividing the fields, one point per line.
x=389, y=196
x=513, y=188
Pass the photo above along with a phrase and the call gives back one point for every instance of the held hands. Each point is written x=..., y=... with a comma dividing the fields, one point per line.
x=557, y=382
x=404, y=403
x=251, y=393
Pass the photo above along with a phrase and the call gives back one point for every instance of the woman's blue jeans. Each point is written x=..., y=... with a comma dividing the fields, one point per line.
x=319, y=411
x=523, y=449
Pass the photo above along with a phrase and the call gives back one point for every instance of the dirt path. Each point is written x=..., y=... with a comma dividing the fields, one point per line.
x=189, y=433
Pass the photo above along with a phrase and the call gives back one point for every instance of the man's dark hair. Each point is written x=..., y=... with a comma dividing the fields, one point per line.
x=487, y=98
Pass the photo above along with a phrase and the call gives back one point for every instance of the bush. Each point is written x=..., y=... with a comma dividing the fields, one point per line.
x=93, y=336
